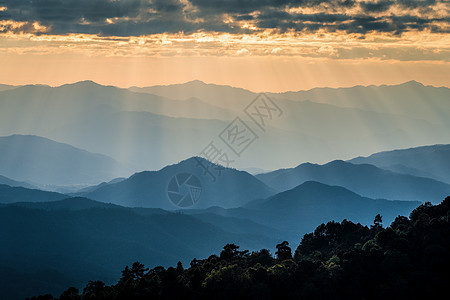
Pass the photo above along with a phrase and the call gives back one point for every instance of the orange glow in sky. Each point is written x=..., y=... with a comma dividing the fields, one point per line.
x=328, y=44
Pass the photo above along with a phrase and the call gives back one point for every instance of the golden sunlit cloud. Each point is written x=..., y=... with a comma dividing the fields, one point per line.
x=412, y=46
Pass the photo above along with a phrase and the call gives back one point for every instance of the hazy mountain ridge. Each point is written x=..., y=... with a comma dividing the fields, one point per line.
x=410, y=99
x=10, y=194
x=133, y=219
x=72, y=203
x=221, y=95
x=133, y=127
x=70, y=240
x=172, y=139
x=430, y=161
x=77, y=234
x=73, y=99
x=338, y=260
x=82, y=234
x=364, y=179
x=232, y=188
x=44, y=161
x=304, y=207
x=5, y=87
x=14, y=183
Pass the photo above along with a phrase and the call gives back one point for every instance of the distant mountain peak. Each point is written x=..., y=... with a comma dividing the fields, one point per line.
x=196, y=160
x=311, y=183
x=412, y=83
x=337, y=162
x=306, y=193
x=83, y=83
x=188, y=163
x=196, y=81
x=346, y=164
x=219, y=186
x=315, y=186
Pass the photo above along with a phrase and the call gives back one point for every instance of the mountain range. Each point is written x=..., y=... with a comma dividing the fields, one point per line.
x=220, y=95
x=312, y=203
x=89, y=183
x=9, y=194
x=411, y=99
x=5, y=87
x=8, y=181
x=149, y=131
x=225, y=187
x=427, y=161
x=54, y=241
x=363, y=179
x=85, y=239
x=46, y=162
x=42, y=245
x=39, y=162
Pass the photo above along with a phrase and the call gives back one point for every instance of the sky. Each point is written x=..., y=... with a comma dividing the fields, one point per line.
x=261, y=45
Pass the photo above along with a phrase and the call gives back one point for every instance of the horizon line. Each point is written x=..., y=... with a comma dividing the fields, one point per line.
x=221, y=85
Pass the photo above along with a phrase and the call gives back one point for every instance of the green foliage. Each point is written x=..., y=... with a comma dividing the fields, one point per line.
x=409, y=259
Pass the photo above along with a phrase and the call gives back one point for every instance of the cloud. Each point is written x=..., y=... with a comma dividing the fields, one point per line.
x=242, y=51
x=376, y=6
x=276, y=50
x=141, y=17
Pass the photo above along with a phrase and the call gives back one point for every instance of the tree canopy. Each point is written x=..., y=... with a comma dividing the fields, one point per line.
x=339, y=260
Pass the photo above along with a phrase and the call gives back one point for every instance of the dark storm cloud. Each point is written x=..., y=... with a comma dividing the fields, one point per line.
x=140, y=17
x=248, y=6
x=417, y=3
x=70, y=10
x=384, y=5
x=379, y=6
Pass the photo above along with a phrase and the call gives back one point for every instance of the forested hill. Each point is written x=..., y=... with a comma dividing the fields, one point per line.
x=409, y=259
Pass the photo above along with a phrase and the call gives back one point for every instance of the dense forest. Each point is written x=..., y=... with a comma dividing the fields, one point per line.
x=409, y=259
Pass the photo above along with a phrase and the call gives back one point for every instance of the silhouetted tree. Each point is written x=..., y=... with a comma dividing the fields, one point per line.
x=231, y=251
x=70, y=294
x=94, y=290
x=377, y=222
x=180, y=268
x=283, y=251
